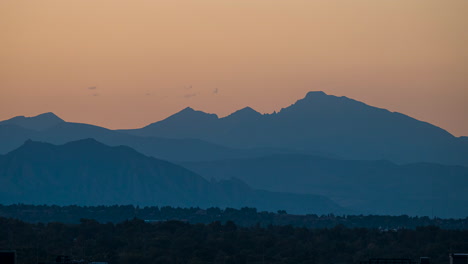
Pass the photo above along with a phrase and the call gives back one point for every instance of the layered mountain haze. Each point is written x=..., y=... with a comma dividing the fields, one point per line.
x=14, y=131
x=183, y=149
x=320, y=123
x=363, y=158
x=87, y=172
x=371, y=187
x=38, y=123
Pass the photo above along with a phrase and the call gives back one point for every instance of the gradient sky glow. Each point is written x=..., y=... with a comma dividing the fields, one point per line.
x=124, y=64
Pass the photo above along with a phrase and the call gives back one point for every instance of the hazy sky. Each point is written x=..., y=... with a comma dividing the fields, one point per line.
x=124, y=64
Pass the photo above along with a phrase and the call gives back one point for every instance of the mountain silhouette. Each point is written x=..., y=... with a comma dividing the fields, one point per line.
x=245, y=114
x=87, y=172
x=183, y=149
x=365, y=158
x=39, y=122
x=372, y=187
x=324, y=124
x=12, y=136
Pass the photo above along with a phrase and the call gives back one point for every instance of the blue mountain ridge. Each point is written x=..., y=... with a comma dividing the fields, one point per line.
x=320, y=123
x=87, y=172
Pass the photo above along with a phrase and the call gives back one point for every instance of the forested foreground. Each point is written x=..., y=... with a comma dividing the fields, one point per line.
x=242, y=217
x=136, y=241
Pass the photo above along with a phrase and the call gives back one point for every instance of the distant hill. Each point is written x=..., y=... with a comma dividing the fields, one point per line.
x=87, y=172
x=320, y=123
x=13, y=134
x=38, y=123
x=373, y=187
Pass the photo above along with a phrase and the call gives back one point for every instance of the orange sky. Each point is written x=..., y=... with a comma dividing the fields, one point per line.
x=147, y=59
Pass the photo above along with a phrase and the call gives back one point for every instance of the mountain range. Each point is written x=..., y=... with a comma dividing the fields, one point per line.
x=87, y=172
x=363, y=158
x=320, y=123
x=14, y=134
x=371, y=187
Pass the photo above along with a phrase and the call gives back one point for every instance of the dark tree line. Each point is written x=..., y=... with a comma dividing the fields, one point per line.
x=242, y=217
x=135, y=241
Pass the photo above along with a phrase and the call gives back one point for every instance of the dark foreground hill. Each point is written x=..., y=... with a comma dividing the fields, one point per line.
x=87, y=172
x=170, y=242
x=377, y=187
x=324, y=124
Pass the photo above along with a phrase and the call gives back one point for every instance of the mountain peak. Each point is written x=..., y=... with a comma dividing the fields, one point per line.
x=31, y=148
x=188, y=116
x=314, y=94
x=320, y=101
x=187, y=109
x=85, y=142
x=189, y=113
x=39, y=122
x=246, y=112
x=49, y=115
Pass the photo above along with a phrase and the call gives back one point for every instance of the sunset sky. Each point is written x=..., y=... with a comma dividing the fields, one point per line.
x=125, y=64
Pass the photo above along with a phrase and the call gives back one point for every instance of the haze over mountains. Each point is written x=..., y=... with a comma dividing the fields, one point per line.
x=371, y=187
x=37, y=123
x=87, y=172
x=14, y=134
x=367, y=159
x=321, y=123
